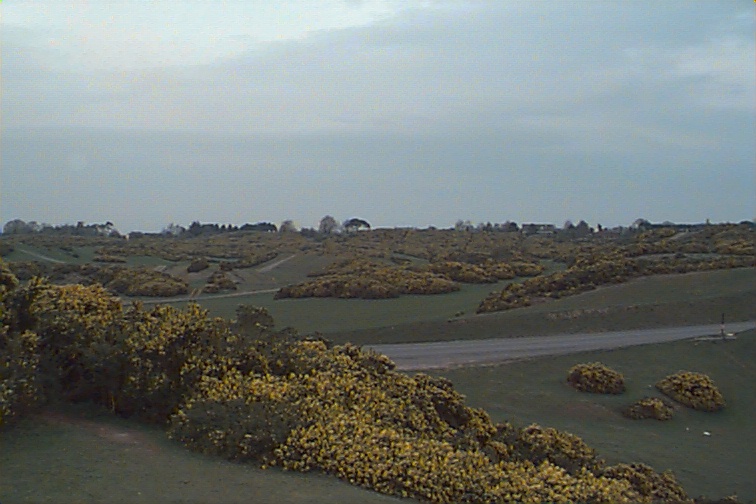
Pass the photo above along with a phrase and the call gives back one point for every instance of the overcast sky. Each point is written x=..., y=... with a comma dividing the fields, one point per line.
x=399, y=112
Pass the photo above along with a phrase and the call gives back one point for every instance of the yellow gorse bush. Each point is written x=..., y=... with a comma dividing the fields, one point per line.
x=649, y=407
x=695, y=390
x=597, y=378
x=348, y=414
x=367, y=280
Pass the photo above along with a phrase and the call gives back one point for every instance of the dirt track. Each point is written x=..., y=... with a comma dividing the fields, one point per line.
x=416, y=356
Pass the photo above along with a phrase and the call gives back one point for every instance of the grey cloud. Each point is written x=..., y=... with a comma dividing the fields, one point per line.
x=522, y=110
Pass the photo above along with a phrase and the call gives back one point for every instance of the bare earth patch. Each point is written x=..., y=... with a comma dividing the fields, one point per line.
x=108, y=432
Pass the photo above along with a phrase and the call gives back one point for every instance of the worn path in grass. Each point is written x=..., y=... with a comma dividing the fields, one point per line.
x=40, y=256
x=444, y=354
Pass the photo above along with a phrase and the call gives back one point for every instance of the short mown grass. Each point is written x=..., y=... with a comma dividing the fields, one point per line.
x=535, y=391
x=91, y=456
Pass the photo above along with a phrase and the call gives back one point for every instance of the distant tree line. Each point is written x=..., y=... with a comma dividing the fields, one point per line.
x=19, y=227
x=197, y=229
x=330, y=226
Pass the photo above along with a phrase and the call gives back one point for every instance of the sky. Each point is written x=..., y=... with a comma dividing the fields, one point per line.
x=417, y=113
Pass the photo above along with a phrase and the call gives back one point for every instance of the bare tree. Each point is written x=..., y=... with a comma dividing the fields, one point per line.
x=329, y=225
x=287, y=226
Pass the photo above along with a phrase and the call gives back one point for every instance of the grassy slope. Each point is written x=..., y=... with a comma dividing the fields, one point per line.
x=104, y=459
x=717, y=465
x=647, y=302
x=694, y=298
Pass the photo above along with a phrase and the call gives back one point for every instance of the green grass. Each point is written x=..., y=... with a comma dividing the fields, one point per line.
x=23, y=252
x=329, y=315
x=535, y=391
x=693, y=298
x=86, y=455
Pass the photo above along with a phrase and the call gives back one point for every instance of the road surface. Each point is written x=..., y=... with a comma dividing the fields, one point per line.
x=444, y=354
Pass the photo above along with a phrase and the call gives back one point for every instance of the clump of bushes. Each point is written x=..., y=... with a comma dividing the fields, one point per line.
x=219, y=281
x=597, y=378
x=139, y=282
x=695, y=390
x=649, y=407
x=370, y=283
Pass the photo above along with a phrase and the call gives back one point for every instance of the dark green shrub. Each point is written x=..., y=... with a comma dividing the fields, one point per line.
x=198, y=265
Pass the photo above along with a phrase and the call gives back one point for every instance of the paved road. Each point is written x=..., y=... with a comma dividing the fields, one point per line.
x=417, y=356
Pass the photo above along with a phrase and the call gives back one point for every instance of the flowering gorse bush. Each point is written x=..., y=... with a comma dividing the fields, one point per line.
x=695, y=390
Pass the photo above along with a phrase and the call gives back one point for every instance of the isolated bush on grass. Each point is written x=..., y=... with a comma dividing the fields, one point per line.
x=695, y=390
x=198, y=265
x=649, y=407
x=597, y=378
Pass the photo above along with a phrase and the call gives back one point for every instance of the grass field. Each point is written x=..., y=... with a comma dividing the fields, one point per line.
x=724, y=463
x=693, y=298
x=82, y=454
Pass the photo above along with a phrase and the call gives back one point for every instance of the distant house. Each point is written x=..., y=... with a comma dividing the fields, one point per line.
x=644, y=225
